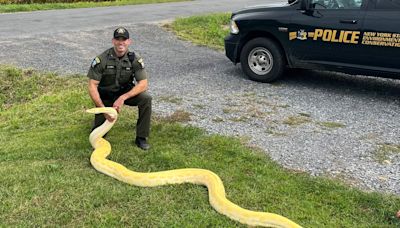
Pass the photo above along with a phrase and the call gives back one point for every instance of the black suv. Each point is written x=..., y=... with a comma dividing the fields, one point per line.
x=351, y=36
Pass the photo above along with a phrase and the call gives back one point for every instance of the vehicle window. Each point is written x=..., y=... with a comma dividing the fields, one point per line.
x=338, y=4
x=388, y=4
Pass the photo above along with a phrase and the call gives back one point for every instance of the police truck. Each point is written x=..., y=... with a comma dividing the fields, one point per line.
x=351, y=36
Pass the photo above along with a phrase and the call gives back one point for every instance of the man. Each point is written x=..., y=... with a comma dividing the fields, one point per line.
x=111, y=84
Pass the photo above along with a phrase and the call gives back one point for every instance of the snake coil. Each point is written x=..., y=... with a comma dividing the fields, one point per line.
x=102, y=149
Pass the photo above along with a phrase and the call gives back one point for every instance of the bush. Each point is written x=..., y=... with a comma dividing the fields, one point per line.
x=48, y=1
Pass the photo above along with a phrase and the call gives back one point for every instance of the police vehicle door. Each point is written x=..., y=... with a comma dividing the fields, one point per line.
x=329, y=33
x=381, y=36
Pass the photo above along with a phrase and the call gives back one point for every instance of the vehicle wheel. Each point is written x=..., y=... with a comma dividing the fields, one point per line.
x=262, y=60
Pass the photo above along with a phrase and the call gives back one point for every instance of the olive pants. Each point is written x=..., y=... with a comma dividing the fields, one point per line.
x=143, y=101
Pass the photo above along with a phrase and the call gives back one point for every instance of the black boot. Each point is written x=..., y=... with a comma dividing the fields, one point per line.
x=142, y=143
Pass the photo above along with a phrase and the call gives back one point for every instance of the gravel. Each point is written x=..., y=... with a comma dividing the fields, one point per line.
x=322, y=123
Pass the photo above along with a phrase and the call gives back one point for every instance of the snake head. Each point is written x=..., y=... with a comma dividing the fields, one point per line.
x=108, y=110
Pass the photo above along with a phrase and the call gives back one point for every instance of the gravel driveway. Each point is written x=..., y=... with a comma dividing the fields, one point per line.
x=321, y=123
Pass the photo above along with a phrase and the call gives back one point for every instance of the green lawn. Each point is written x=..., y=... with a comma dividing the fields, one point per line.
x=47, y=180
x=9, y=8
x=209, y=30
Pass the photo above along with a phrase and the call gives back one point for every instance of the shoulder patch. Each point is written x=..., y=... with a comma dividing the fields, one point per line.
x=140, y=61
x=95, y=62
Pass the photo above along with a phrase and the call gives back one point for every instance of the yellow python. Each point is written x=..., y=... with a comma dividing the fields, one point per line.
x=102, y=149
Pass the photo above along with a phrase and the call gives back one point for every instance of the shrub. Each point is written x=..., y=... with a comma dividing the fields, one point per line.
x=48, y=1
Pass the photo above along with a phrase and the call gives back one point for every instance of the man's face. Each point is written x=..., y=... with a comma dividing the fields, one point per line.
x=121, y=45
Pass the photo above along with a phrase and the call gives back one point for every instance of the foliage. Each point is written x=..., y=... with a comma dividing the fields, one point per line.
x=8, y=6
x=47, y=1
x=209, y=30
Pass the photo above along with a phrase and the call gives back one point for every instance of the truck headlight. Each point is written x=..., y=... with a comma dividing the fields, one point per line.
x=234, y=28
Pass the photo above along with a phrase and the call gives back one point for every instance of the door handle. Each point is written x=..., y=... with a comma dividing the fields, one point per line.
x=348, y=22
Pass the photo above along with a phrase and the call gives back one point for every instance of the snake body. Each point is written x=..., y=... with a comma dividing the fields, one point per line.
x=218, y=201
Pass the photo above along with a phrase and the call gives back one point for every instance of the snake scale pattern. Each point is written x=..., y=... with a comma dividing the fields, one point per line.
x=216, y=190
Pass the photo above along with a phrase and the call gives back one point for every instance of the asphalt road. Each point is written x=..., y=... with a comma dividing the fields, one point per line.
x=55, y=21
x=220, y=98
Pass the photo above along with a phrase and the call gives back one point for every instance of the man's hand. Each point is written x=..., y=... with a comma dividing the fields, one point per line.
x=140, y=87
x=94, y=94
x=119, y=103
x=108, y=117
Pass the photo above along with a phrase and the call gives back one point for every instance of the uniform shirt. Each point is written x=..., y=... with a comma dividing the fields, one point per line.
x=113, y=72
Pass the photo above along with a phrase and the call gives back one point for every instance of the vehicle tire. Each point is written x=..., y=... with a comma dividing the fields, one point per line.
x=262, y=60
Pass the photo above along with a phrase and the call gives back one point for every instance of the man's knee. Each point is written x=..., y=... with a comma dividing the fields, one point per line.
x=145, y=99
x=141, y=100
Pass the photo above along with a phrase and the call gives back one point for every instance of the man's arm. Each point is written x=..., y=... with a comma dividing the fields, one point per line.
x=140, y=87
x=94, y=94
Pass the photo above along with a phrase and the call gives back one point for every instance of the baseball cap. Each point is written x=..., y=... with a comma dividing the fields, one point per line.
x=121, y=32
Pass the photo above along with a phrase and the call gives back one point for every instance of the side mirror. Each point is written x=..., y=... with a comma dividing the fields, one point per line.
x=305, y=5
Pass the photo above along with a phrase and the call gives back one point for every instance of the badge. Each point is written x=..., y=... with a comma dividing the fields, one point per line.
x=120, y=31
x=95, y=62
x=301, y=35
x=141, y=62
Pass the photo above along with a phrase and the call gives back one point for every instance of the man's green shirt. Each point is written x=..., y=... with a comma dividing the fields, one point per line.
x=113, y=72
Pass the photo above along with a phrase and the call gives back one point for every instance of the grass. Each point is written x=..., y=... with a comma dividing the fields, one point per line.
x=329, y=124
x=10, y=8
x=47, y=180
x=209, y=30
x=179, y=116
x=171, y=99
x=384, y=151
x=296, y=120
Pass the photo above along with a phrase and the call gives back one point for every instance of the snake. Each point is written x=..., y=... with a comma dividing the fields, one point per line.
x=214, y=184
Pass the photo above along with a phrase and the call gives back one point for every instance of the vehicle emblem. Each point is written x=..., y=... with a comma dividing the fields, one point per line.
x=301, y=35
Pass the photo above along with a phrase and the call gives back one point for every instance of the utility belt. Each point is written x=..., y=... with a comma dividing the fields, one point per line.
x=110, y=95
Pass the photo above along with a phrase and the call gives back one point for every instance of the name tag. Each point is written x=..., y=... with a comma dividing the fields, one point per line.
x=110, y=67
x=127, y=68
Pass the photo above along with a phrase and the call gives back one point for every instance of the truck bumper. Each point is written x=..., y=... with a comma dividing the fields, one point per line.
x=231, y=47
